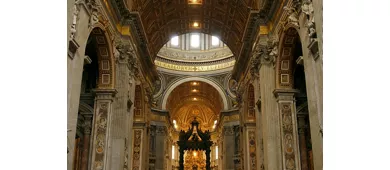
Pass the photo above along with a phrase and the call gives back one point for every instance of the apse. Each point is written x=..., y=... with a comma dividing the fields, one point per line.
x=194, y=99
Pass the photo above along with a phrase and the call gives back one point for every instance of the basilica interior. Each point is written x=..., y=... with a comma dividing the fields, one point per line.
x=194, y=85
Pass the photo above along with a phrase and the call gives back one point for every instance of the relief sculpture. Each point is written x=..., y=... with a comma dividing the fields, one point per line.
x=101, y=127
x=288, y=139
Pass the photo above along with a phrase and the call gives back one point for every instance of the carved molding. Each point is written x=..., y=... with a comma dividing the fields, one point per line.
x=201, y=56
x=252, y=150
x=101, y=132
x=228, y=130
x=137, y=150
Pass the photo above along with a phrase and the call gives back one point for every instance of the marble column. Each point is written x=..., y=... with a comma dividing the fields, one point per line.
x=258, y=130
x=228, y=148
x=302, y=141
x=121, y=117
x=161, y=135
x=86, y=140
x=101, y=125
x=313, y=77
x=288, y=126
x=269, y=118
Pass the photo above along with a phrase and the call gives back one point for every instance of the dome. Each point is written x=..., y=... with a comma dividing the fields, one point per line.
x=195, y=52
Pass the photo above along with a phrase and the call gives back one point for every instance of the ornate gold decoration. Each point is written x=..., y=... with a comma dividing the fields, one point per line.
x=252, y=149
x=288, y=139
x=264, y=30
x=195, y=159
x=194, y=68
x=100, y=140
x=137, y=149
x=183, y=107
x=213, y=54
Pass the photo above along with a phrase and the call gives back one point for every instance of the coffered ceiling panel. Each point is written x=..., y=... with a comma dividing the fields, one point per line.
x=162, y=19
x=235, y=22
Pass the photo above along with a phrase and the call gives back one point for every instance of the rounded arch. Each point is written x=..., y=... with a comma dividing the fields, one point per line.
x=105, y=57
x=85, y=108
x=181, y=81
x=285, y=61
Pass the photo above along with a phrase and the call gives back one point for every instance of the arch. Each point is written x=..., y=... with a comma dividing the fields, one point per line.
x=177, y=83
x=85, y=108
x=105, y=57
x=284, y=64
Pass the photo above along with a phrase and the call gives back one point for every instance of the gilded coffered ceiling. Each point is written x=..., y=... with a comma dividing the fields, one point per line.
x=235, y=22
x=194, y=99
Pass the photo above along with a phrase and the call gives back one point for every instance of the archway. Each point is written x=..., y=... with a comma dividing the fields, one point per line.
x=190, y=79
x=98, y=73
x=291, y=75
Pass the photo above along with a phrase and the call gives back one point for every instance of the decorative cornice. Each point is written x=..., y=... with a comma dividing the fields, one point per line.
x=201, y=56
x=285, y=94
x=196, y=67
x=105, y=94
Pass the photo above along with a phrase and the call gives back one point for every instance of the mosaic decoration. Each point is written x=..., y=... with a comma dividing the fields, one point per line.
x=287, y=137
x=100, y=140
x=137, y=150
x=252, y=150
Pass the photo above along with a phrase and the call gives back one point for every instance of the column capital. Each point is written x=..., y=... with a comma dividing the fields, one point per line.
x=105, y=94
x=285, y=94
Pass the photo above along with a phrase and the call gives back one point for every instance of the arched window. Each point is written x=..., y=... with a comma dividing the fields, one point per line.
x=195, y=40
x=175, y=41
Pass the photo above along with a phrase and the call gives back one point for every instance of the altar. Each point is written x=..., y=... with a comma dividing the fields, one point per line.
x=194, y=148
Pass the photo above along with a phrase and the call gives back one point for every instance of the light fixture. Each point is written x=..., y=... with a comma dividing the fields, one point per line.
x=195, y=99
x=216, y=152
x=195, y=2
x=213, y=126
x=175, y=126
x=173, y=151
x=174, y=121
x=215, y=122
x=196, y=24
x=194, y=90
x=195, y=153
x=194, y=83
